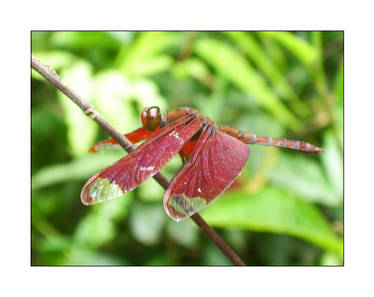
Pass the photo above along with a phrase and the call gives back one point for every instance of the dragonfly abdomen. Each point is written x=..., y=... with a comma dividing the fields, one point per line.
x=250, y=138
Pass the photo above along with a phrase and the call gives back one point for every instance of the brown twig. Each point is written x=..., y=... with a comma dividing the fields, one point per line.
x=50, y=75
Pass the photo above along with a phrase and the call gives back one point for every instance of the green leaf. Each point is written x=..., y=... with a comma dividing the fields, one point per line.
x=79, y=169
x=94, y=230
x=160, y=259
x=251, y=47
x=193, y=67
x=54, y=243
x=275, y=51
x=151, y=191
x=333, y=163
x=81, y=129
x=86, y=256
x=55, y=59
x=303, y=175
x=269, y=68
x=98, y=227
x=147, y=93
x=147, y=222
x=306, y=52
x=330, y=259
x=185, y=233
x=147, y=46
x=339, y=98
x=213, y=256
x=115, y=95
x=84, y=40
x=233, y=65
x=319, y=73
x=150, y=66
x=339, y=84
x=274, y=210
x=113, y=99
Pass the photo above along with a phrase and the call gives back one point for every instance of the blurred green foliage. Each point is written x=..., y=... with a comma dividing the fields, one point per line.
x=285, y=209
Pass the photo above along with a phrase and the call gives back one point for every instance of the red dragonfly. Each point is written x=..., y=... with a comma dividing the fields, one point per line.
x=213, y=157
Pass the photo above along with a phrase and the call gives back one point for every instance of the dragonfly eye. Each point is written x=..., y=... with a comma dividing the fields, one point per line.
x=151, y=118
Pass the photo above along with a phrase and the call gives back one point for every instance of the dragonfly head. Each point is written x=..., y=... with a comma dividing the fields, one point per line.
x=151, y=118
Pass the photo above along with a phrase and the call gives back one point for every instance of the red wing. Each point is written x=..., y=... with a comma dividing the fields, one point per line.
x=215, y=163
x=127, y=173
x=134, y=137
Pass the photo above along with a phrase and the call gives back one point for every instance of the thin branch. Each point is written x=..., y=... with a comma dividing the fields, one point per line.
x=50, y=75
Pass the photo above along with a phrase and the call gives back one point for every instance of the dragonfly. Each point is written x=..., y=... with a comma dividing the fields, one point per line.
x=213, y=157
